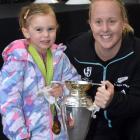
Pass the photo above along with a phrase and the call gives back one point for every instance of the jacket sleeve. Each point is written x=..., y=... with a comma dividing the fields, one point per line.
x=11, y=101
x=69, y=71
x=127, y=105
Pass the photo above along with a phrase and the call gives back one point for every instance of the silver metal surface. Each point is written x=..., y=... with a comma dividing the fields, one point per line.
x=77, y=104
x=82, y=118
x=78, y=96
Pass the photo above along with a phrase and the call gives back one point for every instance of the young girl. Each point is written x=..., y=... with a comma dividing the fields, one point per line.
x=29, y=66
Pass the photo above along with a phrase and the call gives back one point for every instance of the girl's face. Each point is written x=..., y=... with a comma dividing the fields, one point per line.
x=41, y=31
x=106, y=24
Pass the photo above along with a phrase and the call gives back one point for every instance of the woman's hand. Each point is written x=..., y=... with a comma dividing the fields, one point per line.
x=104, y=94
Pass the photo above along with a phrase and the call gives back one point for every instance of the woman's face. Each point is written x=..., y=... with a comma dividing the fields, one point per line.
x=106, y=24
x=41, y=31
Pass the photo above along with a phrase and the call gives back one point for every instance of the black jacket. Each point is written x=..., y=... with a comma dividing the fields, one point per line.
x=123, y=71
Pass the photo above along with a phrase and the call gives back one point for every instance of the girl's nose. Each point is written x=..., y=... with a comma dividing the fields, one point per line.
x=46, y=33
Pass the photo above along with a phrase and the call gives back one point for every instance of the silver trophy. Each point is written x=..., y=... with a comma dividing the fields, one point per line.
x=79, y=108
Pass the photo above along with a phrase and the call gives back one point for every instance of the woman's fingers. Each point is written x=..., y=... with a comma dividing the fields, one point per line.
x=104, y=94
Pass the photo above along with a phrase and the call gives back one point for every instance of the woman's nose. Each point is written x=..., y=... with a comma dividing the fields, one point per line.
x=105, y=27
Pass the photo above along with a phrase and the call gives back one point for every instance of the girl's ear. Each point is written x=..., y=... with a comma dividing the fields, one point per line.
x=25, y=33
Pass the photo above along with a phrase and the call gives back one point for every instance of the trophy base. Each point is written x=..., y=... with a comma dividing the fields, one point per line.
x=82, y=118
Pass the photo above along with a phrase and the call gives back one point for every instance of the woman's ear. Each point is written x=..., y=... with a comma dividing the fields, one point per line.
x=25, y=33
x=125, y=24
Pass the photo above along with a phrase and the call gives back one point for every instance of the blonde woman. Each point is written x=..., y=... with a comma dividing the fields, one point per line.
x=109, y=54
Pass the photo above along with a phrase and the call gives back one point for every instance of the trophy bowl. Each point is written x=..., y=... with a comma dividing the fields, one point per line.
x=78, y=96
x=80, y=86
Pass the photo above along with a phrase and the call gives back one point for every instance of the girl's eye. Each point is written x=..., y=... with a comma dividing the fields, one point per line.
x=51, y=29
x=112, y=21
x=39, y=29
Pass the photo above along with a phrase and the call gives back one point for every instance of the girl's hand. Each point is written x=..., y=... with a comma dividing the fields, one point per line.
x=104, y=94
x=56, y=90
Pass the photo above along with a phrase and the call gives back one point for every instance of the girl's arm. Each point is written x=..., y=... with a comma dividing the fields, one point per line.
x=11, y=101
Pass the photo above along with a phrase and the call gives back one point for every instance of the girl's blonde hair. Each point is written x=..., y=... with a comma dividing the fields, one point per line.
x=127, y=29
x=33, y=9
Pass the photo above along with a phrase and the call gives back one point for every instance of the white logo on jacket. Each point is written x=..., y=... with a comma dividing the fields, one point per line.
x=122, y=84
x=87, y=71
x=122, y=79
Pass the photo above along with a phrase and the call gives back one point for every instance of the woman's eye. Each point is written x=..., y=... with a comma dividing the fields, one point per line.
x=112, y=21
x=98, y=22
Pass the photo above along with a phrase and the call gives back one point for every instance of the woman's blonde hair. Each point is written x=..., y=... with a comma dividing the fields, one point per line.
x=127, y=29
x=33, y=9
